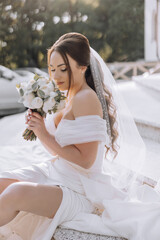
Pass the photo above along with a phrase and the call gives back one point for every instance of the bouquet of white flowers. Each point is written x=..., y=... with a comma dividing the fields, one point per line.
x=42, y=96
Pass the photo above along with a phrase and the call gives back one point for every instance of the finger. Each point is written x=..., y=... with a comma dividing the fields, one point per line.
x=35, y=119
x=29, y=111
x=37, y=115
x=28, y=114
x=27, y=118
x=30, y=128
x=32, y=123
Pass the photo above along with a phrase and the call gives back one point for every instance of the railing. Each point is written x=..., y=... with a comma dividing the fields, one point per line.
x=125, y=70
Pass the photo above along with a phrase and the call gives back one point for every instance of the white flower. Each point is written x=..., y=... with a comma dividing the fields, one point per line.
x=28, y=98
x=32, y=81
x=50, y=85
x=53, y=94
x=42, y=82
x=61, y=105
x=45, y=89
x=23, y=86
x=37, y=103
x=49, y=104
x=29, y=85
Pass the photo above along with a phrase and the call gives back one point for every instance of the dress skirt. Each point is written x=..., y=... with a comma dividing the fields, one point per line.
x=28, y=226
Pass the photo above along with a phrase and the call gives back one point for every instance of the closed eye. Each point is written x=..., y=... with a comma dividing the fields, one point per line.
x=62, y=70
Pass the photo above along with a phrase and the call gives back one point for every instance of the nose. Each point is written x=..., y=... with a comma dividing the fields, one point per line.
x=55, y=75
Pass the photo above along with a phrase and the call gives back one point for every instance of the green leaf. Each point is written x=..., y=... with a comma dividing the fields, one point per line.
x=34, y=86
x=41, y=94
x=53, y=83
x=43, y=114
x=63, y=97
x=46, y=98
x=36, y=77
x=21, y=92
x=57, y=99
x=55, y=109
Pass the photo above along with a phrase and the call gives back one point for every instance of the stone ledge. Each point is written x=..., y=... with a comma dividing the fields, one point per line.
x=148, y=129
x=70, y=234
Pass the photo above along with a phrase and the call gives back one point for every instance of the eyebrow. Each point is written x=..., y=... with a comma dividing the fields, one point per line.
x=58, y=65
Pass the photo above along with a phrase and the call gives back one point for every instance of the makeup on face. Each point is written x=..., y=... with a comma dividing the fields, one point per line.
x=59, y=72
x=59, y=83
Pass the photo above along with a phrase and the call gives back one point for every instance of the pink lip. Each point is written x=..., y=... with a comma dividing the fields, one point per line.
x=60, y=83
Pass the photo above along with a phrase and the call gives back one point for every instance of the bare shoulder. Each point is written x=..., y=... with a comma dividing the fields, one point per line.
x=86, y=102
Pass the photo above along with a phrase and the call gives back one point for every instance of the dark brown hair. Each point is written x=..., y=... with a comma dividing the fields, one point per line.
x=77, y=47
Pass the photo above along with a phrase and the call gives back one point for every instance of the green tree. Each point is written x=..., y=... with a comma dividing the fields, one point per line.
x=28, y=28
x=124, y=29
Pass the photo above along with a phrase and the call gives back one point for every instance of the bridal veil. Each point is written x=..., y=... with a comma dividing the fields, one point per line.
x=126, y=167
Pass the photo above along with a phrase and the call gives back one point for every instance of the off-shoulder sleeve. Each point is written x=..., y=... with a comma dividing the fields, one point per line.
x=83, y=129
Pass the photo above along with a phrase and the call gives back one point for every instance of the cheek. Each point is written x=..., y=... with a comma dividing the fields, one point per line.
x=52, y=75
x=66, y=78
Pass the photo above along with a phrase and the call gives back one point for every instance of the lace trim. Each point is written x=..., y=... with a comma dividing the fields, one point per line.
x=70, y=234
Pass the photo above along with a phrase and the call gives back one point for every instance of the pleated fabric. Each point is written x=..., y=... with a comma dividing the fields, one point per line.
x=81, y=130
x=90, y=202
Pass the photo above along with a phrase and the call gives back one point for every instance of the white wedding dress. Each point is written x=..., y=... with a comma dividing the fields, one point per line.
x=90, y=202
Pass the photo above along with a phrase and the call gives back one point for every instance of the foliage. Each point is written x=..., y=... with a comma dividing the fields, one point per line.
x=28, y=28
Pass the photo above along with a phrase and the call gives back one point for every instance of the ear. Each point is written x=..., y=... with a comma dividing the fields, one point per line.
x=83, y=68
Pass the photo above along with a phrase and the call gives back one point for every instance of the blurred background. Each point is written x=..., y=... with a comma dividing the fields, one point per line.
x=126, y=33
x=115, y=28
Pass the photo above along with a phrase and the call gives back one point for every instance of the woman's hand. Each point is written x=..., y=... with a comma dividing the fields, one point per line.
x=36, y=123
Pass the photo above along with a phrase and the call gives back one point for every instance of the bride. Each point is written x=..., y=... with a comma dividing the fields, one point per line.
x=93, y=182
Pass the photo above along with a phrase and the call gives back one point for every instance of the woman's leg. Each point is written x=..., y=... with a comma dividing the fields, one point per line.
x=5, y=182
x=30, y=197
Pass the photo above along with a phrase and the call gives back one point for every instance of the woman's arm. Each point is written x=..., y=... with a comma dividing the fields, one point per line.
x=80, y=154
x=35, y=121
x=84, y=154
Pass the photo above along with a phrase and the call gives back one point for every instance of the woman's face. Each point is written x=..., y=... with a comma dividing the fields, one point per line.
x=59, y=71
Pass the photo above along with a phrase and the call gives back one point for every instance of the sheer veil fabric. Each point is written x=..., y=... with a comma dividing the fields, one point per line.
x=125, y=169
x=93, y=200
